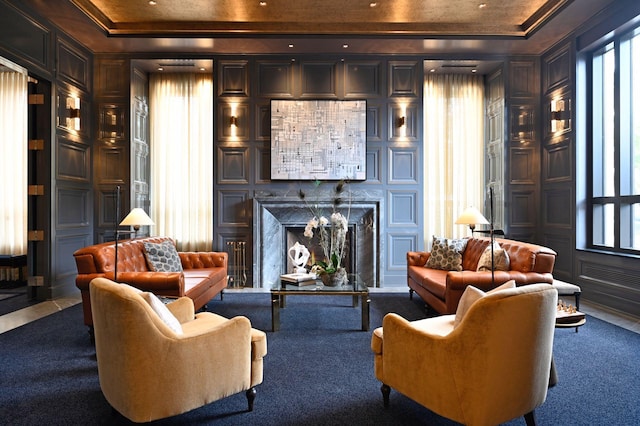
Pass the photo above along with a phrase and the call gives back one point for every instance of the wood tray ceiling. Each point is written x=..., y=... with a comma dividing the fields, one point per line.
x=458, y=28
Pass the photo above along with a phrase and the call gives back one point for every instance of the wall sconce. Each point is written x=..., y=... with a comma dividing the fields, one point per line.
x=73, y=110
x=233, y=121
x=401, y=121
x=559, y=114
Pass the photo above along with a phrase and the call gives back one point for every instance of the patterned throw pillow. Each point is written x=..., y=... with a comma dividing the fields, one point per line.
x=162, y=257
x=501, y=260
x=446, y=254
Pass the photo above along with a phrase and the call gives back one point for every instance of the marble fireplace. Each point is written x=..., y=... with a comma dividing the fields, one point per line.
x=279, y=222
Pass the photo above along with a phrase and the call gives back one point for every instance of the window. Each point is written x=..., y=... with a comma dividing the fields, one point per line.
x=615, y=145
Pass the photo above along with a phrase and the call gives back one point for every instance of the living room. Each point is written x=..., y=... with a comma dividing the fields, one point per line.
x=537, y=153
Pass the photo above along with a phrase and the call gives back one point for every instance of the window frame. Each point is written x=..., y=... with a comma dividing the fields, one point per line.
x=622, y=204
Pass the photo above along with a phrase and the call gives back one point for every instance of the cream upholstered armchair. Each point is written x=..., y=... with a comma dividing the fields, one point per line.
x=490, y=366
x=157, y=360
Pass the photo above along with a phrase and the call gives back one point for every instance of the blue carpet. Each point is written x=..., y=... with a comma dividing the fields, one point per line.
x=319, y=371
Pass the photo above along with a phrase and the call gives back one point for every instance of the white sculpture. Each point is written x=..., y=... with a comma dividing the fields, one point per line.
x=299, y=257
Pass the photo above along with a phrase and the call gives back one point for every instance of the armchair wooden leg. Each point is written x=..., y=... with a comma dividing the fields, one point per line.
x=530, y=419
x=251, y=395
x=386, y=390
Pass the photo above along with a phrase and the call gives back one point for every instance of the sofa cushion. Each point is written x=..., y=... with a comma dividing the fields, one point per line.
x=446, y=254
x=500, y=259
x=162, y=257
x=471, y=295
x=163, y=312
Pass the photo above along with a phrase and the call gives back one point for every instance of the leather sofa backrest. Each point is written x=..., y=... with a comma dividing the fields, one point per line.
x=100, y=258
x=523, y=257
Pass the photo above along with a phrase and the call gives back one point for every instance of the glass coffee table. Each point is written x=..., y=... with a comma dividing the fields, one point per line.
x=355, y=288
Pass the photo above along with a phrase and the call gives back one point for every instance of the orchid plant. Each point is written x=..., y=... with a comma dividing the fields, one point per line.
x=331, y=231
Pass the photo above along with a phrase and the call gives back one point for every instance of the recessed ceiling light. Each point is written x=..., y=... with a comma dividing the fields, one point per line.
x=203, y=69
x=373, y=4
x=262, y=3
x=345, y=46
x=432, y=70
x=290, y=44
x=160, y=69
x=482, y=5
x=474, y=70
x=153, y=2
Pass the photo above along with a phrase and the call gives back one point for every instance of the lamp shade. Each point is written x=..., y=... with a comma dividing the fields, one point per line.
x=137, y=217
x=471, y=216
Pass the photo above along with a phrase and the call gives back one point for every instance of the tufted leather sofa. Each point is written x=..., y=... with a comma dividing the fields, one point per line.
x=442, y=290
x=204, y=273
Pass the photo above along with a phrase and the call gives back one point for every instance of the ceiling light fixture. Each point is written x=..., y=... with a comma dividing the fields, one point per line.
x=152, y=2
x=373, y=4
x=290, y=45
x=345, y=46
x=482, y=5
x=262, y=3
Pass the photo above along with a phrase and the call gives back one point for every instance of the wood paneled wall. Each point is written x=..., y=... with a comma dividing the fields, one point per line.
x=60, y=212
x=392, y=88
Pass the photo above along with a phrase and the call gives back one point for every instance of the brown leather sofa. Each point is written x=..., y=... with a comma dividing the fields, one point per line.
x=442, y=290
x=204, y=273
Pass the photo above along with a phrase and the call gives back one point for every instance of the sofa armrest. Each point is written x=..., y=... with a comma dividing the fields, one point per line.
x=417, y=258
x=204, y=259
x=161, y=283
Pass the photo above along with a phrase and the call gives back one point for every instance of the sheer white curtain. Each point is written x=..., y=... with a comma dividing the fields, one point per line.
x=453, y=152
x=181, y=120
x=13, y=162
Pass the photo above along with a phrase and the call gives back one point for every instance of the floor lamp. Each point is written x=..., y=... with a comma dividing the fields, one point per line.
x=136, y=218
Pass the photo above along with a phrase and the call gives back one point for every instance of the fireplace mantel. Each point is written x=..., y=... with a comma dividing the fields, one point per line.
x=274, y=213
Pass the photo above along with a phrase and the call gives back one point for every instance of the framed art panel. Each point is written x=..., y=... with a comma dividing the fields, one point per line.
x=318, y=140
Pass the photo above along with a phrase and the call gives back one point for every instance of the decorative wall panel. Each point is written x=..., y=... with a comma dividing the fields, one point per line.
x=557, y=162
x=234, y=78
x=404, y=78
x=24, y=36
x=263, y=164
x=263, y=122
x=402, y=208
x=74, y=65
x=362, y=80
x=556, y=206
x=111, y=158
x=399, y=245
x=77, y=208
x=522, y=166
x=112, y=123
x=318, y=80
x=557, y=69
x=73, y=161
x=375, y=121
x=374, y=163
x=112, y=78
x=522, y=126
x=233, y=164
x=233, y=208
x=403, y=165
x=275, y=79
x=523, y=79
x=523, y=209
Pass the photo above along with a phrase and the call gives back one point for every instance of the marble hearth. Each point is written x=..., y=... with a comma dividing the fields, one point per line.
x=275, y=217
